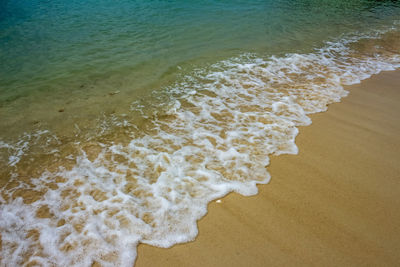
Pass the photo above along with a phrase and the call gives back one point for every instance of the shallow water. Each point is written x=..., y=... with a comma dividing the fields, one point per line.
x=121, y=120
x=73, y=56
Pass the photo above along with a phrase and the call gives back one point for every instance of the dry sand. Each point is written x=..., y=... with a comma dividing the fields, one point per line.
x=337, y=203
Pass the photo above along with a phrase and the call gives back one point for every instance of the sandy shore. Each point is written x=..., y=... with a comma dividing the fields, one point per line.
x=337, y=203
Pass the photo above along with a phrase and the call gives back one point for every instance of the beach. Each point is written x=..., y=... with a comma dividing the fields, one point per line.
x=130, y=124
x=334, y=204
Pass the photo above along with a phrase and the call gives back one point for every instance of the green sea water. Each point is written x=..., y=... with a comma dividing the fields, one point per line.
x=73, y=55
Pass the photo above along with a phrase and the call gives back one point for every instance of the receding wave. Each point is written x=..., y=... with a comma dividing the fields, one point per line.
x=81, y=202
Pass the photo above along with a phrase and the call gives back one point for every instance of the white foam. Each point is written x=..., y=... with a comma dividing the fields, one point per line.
x=215, y=139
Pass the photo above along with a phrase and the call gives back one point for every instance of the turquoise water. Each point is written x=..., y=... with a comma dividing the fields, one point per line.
x=121, y=120
x=56, y=53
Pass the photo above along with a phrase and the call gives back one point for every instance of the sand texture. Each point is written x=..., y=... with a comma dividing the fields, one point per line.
x=336, y=203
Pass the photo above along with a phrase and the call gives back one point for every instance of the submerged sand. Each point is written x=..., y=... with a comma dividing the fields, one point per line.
x=336, y=203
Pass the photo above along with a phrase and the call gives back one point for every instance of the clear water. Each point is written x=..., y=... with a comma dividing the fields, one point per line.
x=72, y=54
x=121, y=120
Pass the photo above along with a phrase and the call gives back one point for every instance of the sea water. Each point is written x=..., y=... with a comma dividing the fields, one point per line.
x=121, y=120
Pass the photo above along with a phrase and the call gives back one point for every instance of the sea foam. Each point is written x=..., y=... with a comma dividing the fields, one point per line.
x=216, y=137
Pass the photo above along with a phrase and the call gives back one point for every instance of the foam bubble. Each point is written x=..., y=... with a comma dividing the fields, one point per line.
x=214, y=138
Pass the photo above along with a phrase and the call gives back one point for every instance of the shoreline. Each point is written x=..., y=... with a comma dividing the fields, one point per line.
x=334, y=203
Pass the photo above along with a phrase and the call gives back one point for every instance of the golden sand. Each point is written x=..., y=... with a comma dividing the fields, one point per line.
x=335, y=204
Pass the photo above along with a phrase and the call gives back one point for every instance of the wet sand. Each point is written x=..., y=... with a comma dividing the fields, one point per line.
x=336, y=203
